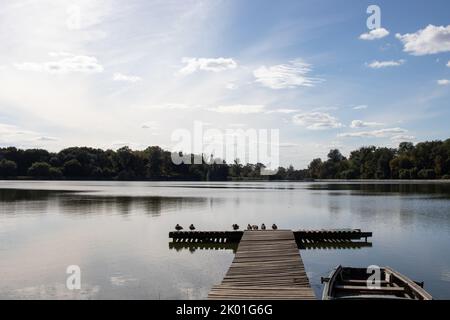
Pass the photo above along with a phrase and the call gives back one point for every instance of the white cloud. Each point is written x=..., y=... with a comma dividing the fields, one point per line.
x=316, y=121
x=374, y=34
x=282, y=111
x=360, y=107
x=16, y=136
x=68, y=63
x=384, y=64
x=443, y=82
x=150, y=125
x=206, y=64
x=122, y=77
x=44, y=138
x=402, y=138
x=13, y=133
x=382, y=133
x=325, y=109
x=448, y=64
x=238, y=109
x=282, y=76
x=288, y=145
x=364, y=124
x=231, y=86
x=172, y=106
x=431, y=40
x=172, y=29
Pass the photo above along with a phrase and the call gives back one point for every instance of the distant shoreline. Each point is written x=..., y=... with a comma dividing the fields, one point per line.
x=425, y=161
x=356, y=181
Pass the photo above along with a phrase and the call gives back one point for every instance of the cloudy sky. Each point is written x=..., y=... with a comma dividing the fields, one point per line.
x=108, y=73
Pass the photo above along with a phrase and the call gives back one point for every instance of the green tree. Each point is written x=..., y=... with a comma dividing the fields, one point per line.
x=55, y=173
x=290, y=173
x=73, y=169
x=39, y=169
x=315, y=168
x=8, y=168
x=155, y=162
x=425, y=160
x=383, y=158
x=236, y=169
x=335, y=156
x=404, y=174
x=426, y=174
x=405, y=148
x=281, y=174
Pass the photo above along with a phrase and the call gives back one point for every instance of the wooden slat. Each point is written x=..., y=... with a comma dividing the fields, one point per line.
x=267, y=265
x=374, y=289
x=361, y=282
x=303, y=237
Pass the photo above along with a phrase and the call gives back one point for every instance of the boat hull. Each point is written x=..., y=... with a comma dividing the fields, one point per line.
x=374, y=283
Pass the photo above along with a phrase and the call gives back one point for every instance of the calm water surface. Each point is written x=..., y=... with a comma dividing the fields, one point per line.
x=117, y=233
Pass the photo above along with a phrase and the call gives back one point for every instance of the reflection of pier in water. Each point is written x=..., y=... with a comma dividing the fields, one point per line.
x=193, y=246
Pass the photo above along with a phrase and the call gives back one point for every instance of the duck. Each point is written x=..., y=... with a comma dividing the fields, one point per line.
x=235, y=227
x=263, y=227
x=274, y=227
x=249, y=227
x=191, y=227
x=255, y=227
x=178, y=227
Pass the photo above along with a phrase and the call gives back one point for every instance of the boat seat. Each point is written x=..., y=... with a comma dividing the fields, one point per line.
x=361, y=282
x=360, y=288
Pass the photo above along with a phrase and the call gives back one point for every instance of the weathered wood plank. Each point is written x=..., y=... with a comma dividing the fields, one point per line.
x=304, y=238
x=267, y=265
x=361, y=288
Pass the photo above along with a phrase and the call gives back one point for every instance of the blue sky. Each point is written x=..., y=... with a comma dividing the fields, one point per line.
x=108, y=73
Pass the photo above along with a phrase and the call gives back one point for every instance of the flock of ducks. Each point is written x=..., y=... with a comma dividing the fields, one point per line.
x=263, y=227
x=235, y=227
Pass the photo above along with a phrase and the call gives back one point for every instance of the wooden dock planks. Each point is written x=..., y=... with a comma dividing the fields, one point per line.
x=301, y=236
x=267, y=266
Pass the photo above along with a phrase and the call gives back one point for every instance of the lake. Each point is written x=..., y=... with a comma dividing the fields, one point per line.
x=117, y=233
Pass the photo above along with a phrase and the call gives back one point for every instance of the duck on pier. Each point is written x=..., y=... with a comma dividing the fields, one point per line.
x=235, y=227
x=191, y=227
x=249, y=227
x=255, y=227
x=263, y=227
x=178, y=227
x=274, y=227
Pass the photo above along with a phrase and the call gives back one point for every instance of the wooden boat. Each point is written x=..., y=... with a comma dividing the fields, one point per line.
x=356, y=283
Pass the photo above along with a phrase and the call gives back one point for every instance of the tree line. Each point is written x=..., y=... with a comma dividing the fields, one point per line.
x=425, y=160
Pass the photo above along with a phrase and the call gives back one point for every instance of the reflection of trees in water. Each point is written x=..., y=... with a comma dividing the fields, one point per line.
x=16, y=201
x=215, y=202
x=82, y=204
x=420, y=188
x=429, y=213
x=14, y=195
x=399, y=210
x=153, y=206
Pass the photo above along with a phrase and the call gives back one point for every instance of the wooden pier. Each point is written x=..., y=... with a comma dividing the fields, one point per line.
x=267, y=265
x=301, y=236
